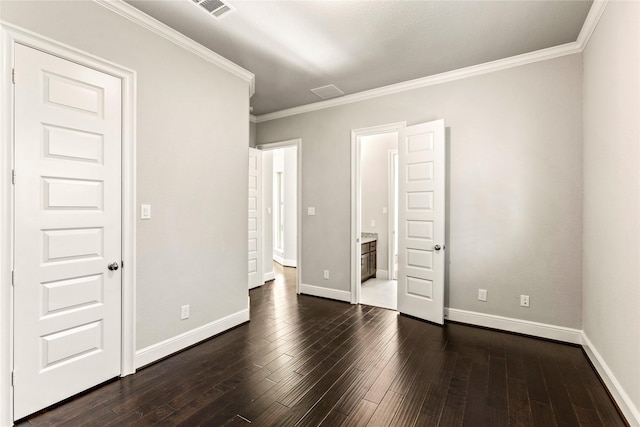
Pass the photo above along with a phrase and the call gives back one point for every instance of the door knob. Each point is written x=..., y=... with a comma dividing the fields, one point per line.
x=437, y=247
x=113, y=266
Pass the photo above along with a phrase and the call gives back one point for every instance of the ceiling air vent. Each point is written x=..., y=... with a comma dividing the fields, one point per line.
x=328, y=91
x=218, y=9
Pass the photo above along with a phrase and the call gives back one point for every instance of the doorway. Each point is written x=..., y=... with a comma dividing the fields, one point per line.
x=281, y=189
x=421, y=218
x=375, y=222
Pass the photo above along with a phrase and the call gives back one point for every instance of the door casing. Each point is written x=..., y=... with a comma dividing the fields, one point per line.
x=9, y=36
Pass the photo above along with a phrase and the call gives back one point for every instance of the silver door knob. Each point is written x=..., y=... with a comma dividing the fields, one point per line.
x=113, y=266
x=437, y=247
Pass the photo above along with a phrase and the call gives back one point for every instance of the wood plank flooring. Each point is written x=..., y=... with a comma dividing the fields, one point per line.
x=305, y=361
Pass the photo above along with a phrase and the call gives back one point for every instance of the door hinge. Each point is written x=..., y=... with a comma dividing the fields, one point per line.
x=13, y=176
x=13, y=378
x=13, y=75
x=13, y=278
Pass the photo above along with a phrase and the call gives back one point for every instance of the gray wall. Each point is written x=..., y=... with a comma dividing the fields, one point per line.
x=515, y=188
x=612, y=193
x=192, y=137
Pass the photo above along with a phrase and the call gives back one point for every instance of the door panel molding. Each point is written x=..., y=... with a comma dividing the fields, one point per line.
x=10, y=36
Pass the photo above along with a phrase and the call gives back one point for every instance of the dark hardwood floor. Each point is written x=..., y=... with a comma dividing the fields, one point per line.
x=309, y=361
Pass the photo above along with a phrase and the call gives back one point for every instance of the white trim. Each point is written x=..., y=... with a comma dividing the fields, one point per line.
x=318, y=291
x=578, y=46
x=142, y=19
x=9, y=36
x=391, y=211
x=297, y=142
x=356, y=202
x=536, y=329
x=624, y=402
x=591, y=22
x=271, y=275
x=449, y=76
x=284, y=262
x=172, y=345
x=252, y=118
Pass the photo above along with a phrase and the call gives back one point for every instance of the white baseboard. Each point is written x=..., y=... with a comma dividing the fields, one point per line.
x=630, y=411
x=271, y=275
x=167, y=347
x=318, y=291
x=542, y=330
x=282, y=261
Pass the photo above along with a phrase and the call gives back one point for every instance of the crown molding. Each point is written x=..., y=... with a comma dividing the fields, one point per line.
x=135, y=15
x=591, y=22
x=501, y=64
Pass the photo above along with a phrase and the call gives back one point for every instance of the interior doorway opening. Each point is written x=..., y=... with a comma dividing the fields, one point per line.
x=281, y=231
x=374, y=182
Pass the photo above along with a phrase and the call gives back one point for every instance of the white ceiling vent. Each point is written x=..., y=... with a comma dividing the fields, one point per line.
x=216, y=8
x=328, y=91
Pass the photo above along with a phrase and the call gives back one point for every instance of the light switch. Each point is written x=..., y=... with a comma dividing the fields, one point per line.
x=145, y=211
x=269, y=210
x=373, y=222
x=384, y=210
x=311, y=211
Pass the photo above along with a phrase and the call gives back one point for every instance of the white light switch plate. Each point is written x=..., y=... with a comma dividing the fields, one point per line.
x=311, y=211
x=145, y=211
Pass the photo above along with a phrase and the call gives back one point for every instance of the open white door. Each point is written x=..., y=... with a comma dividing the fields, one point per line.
x=255, y=218
x=67, y=293
x=421, y=221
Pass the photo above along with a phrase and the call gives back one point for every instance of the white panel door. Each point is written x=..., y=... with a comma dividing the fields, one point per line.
x=255, y=218
x=421, y=221
x=67, y=302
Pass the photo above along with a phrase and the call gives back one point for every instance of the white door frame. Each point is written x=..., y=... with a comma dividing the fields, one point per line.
x=9, y=36
x=298, y=144
x=391, y=211
x=356, y=203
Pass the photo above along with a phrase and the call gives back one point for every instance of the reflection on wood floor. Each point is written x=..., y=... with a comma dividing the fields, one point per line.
x=310, y=361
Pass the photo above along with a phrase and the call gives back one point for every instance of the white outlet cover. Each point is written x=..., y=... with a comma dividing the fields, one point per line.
x=384, y=210
x=373, y=222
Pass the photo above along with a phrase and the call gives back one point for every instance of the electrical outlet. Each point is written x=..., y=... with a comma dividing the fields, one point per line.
x=384, y=210
x=524, y=300
x=325, y=274
x=482, y=294
x=373, y=223
x=311, y=211
x=184, y=312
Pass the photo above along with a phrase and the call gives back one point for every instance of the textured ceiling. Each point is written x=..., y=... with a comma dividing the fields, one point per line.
x=295, y=46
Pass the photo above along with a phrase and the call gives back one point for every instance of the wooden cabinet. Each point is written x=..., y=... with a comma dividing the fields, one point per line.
x=368, y=263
